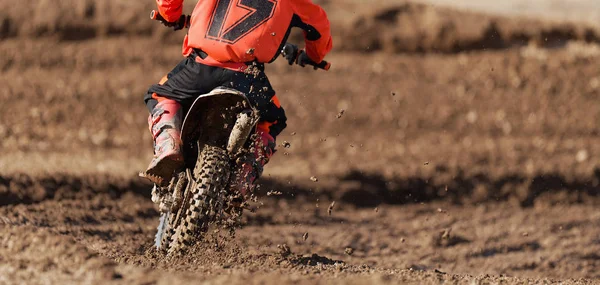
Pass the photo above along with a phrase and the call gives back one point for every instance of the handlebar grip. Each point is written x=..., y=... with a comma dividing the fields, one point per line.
x=323, y=65
x=155, y=15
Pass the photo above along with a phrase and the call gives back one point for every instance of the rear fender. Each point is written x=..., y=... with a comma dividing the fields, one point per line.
x=211, y=119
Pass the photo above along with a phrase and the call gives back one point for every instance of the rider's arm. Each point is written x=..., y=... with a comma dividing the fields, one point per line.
x=170, y=9
x=318, y=37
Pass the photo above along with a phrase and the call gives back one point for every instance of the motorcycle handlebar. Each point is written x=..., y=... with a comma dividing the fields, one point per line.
x=323, y=65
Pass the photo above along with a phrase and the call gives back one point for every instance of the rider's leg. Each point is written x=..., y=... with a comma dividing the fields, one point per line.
x=272, y=121
x=183, y=84
x=164, y=123
x=261, y=150
x=263, y=147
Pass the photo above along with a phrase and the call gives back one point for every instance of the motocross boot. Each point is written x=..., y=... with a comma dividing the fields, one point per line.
x=263, y=147
x=165, y=126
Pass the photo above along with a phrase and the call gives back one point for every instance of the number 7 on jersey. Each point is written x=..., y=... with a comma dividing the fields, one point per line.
x=257, y=12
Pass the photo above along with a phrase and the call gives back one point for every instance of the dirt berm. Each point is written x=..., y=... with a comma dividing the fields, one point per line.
x=397, y=26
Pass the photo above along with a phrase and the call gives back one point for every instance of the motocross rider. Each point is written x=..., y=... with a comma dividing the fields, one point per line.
x=227, y=44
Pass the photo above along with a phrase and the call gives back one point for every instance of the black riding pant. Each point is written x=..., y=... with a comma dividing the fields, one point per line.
x=190, y=79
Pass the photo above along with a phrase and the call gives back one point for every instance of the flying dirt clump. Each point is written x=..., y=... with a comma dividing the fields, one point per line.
x=445, y=239
x=349, y=251
x=330, y=208
x=284, y=250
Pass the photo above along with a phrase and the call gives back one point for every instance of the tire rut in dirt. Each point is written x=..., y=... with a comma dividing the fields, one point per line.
x=210, y=175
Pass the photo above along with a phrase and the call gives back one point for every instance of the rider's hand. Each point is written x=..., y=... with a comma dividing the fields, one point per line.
x=303, y=59
x=295, y=55
x=290, y=52
x=179, y=24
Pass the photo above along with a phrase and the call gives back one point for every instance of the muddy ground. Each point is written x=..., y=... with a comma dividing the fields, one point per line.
x=459, y=147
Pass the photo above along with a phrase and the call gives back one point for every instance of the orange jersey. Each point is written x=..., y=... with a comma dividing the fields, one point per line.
x=248, y=30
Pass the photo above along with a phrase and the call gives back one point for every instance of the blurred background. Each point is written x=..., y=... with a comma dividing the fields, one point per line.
x=483, y=107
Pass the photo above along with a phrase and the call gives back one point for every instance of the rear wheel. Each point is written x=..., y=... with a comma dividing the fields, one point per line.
x=208, y=188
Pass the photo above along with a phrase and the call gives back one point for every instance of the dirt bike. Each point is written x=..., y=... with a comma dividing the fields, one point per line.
x=215, y=135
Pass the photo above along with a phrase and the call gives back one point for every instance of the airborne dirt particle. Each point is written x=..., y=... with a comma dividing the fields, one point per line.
x=274, y=193
x=349, y=251
x=286, y=144
x=445, y=239
x=305, y=236
x=446, y=234
x=284, y=249
x=341, y=113
x=582, y=156
x=314, y=179
x=330, y=209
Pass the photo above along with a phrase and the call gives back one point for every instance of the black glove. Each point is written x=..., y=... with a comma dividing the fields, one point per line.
x=290, y=52
x=303, y=59
x=183, y=22
x=295, y=55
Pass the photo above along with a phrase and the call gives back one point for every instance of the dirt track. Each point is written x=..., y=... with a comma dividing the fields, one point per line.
x=463, y=150
x=105, y=236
